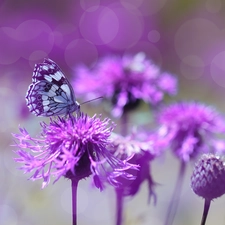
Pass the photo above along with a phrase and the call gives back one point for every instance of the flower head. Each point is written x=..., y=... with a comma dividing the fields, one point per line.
x=141, y=152
x=73, y=147
x=208, y=178
x=190, y=128
x=125, y=81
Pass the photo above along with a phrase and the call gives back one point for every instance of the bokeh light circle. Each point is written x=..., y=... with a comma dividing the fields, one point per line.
x=8, y=215
x=195, y=37
x=30, y=29
x=131, y=27
x=192, y=67
x=64, y=33
x=153, y=36
x=101, y=203
x=37, y=55
x=30, y=36
x=89, y=5
x=66, y=200
x=99, y=26
x=7, y=55
x=147, y=7
x=2, y=174
x=213, y=6
x=108, y=25
x=135, y=3
x=80, y=51
x=217, y=69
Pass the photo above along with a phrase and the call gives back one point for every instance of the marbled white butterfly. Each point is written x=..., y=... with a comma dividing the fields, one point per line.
x=50, y=93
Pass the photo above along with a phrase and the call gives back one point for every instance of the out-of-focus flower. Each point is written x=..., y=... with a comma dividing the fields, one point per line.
x=190, y=128
x=141, y=153
x=73, y=147
x=208, y=178
x=125, y=82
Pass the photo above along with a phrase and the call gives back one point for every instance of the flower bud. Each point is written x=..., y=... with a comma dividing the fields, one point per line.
x=208, y=178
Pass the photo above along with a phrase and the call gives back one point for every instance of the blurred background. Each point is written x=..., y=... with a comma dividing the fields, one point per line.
x=184, y=37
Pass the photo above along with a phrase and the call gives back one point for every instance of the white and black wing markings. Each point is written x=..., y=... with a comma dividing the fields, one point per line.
x=50, y=93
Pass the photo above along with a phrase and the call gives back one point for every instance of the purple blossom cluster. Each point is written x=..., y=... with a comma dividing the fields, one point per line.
x=190, y=129
x=73, y=147
x=77, y=146
x=125, y=81
x=141, y=152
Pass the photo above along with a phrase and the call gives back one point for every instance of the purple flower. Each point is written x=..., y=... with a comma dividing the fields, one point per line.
x=125, y=81
x=190, y=128
x=208, y=178
x=141, y=152
x=73, y=147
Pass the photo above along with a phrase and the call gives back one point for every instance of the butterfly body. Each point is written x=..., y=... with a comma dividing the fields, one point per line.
x=50, y=93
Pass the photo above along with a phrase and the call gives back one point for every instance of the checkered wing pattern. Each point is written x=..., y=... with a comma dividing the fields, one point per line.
x=50, y=93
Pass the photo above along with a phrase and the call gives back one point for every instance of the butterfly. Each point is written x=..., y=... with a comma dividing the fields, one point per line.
x=50, y=93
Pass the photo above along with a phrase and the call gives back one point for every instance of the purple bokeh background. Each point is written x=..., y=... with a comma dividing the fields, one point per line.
x=184, y=37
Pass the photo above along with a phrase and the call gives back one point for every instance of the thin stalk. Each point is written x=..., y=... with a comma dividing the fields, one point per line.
x=119, y=192
x=171, y=211
x=119, y=206
x=124, y=124
x=205, y=211
x=74, y=200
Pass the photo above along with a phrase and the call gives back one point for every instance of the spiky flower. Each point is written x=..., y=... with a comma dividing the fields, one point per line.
x=141, y=152
x=125, y=81
x=208, y=178
x=73, y=147
x=190, y=128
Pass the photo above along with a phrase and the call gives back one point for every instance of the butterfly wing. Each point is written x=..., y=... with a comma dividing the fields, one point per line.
x=50, y=93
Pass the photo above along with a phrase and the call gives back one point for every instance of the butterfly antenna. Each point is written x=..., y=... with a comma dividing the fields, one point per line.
x=91, y=100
